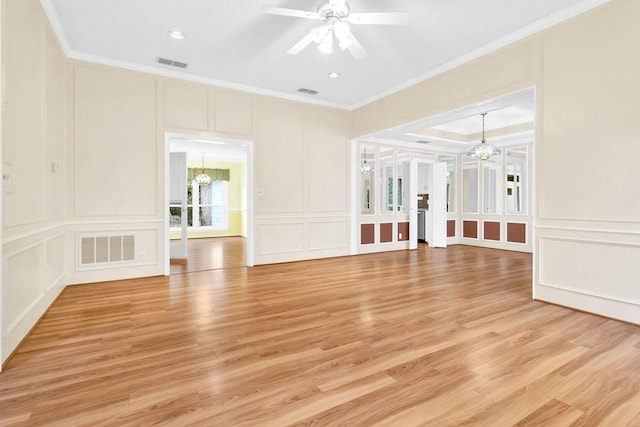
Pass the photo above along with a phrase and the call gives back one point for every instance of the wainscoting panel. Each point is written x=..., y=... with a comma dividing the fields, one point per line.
x=367, y=234
x=607, y=269
x=280, y=238
x=470, y=229
x=386, y=232
x=403, y=231
x=24, y=272
x=491, y=230
x=451, y=228
x=329, y=236
x=594, y=271
x=55, y=267
x=516, y=232
x=33, y=276
x=288, y=238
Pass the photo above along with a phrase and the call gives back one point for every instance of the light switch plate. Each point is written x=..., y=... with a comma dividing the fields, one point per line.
x=261, y=193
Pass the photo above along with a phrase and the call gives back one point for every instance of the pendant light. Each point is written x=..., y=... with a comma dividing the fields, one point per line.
x=203, y=179
x=365, y=168
x=483, y=150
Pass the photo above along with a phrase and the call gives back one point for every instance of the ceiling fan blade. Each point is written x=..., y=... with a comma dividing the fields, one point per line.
x=356, y=48
x=379, y=18
x=290, y=12
x=304, y=42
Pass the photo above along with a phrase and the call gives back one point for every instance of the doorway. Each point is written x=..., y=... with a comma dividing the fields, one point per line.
x=209, y=204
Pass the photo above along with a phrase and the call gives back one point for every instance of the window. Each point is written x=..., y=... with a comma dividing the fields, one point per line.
x=470, y=186
x=492, y=190
x=386, y=180
x=367, y=176
x=403, y=164
x=207, y=207
x=451, y=181
x=516, y=181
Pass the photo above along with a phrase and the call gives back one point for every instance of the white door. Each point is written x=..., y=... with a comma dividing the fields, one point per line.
x=437, y=228
x=178, y=204
x=413, y=205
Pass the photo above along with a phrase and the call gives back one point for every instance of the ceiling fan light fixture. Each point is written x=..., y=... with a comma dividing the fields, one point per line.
x=326, y=45
x=336, y=16
x=343, y=34
x=319, y=33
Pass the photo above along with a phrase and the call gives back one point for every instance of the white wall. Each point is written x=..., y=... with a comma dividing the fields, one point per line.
x=588, y=225
x=34, y=165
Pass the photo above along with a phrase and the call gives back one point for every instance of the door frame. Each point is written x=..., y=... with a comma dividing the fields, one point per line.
x=181, y=250
x=249, y=182
x=413, y=199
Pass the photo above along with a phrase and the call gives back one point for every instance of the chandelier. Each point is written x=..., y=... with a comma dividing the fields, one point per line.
x=483, y=150
x=365, y=168
x=203, y=179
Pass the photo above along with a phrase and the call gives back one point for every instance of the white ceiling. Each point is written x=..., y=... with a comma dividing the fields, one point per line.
x=509, y=120
x=213, y=150
x=231, y=43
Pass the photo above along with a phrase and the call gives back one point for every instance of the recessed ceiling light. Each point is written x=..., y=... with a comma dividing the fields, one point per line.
x=334, y=75
x=175, y=34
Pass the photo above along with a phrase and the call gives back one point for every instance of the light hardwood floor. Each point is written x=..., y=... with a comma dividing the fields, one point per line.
x=429, y=337
x=211, y=254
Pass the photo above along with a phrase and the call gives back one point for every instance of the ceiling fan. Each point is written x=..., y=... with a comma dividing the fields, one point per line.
x=336, y=17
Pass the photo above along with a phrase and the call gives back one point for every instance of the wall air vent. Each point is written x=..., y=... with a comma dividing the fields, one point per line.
x=165, y=61
x=107, y=249
x=422, y=141
x=308, y=91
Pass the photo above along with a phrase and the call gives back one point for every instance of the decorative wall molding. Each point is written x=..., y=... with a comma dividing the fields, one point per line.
x=597, y=270
x=32, y=233
x=39, y=246
x=588, y=230
x=590, y=293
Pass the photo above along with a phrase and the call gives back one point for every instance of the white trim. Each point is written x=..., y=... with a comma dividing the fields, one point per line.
x=615, y=221
x=533, y=28
x=248, y=210
x=540, y=275
x=590, y=293
x=294, y=218
x=1, y=198
x=591, y=303
x=56, y=25
x=61, y=276
x=104, y=222
x=590, y=241
x=588, y=230
x=354, y=159
x=29, y=234
x=41, y=292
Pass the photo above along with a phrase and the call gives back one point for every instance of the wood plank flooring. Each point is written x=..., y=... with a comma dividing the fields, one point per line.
x=211, y=254
x=430, y=337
